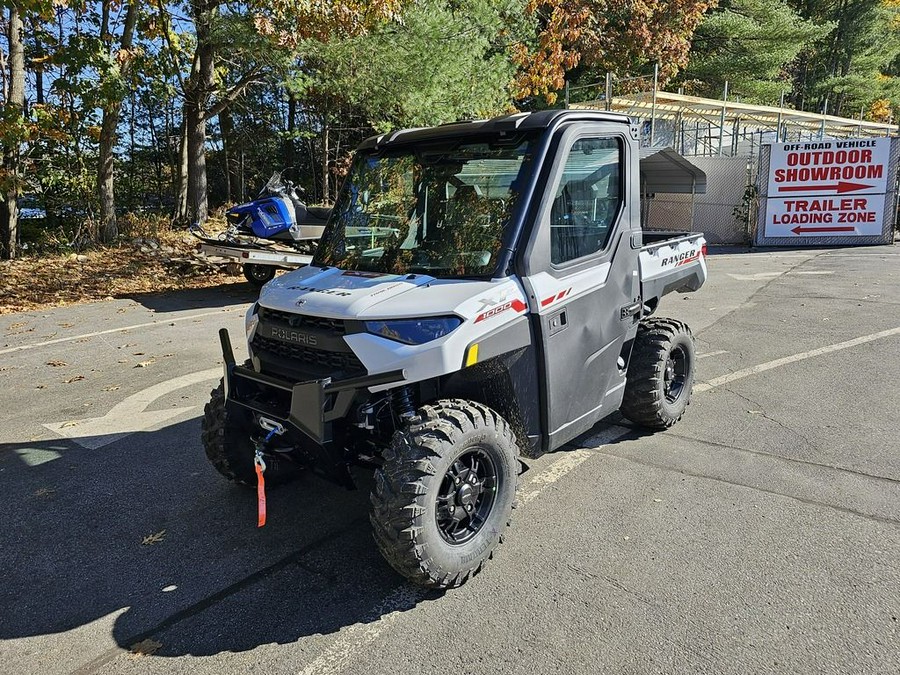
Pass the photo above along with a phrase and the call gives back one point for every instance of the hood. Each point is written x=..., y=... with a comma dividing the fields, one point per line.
x=335, y=293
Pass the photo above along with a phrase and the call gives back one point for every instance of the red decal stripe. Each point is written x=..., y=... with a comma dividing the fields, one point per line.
x=687, y=260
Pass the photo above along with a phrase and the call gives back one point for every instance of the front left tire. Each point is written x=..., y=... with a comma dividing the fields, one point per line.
x=445, y=493
x=228, y=442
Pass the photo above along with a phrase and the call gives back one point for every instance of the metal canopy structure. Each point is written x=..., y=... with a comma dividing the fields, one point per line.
x=674, y=106
x=664, y=170
x=708, y=126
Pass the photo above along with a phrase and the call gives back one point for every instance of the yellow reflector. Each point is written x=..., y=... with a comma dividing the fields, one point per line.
x=472, y=357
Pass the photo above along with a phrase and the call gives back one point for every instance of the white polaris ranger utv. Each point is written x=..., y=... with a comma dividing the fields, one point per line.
x=499, y=306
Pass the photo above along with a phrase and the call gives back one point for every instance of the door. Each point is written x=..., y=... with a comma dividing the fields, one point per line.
x=581, y=273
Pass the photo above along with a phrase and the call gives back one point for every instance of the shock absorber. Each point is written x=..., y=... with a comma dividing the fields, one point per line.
x=402, y=400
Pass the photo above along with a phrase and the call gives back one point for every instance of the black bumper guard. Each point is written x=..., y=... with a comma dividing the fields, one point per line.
x=314, y=404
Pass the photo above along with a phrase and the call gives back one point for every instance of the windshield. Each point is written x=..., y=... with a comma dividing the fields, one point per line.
x=274, y=186
x=441, y=211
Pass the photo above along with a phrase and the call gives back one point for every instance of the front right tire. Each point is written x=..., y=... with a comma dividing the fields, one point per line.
x=445, y=492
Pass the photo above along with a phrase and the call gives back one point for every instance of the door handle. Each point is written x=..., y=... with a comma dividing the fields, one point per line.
x=558, y=322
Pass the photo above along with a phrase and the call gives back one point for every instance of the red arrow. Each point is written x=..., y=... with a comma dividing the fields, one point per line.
x=800, y=230
x=841, y=187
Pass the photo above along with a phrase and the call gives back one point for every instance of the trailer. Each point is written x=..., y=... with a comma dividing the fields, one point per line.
x=258, y=262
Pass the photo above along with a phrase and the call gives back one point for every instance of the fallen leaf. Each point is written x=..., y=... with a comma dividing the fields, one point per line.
x=56, y=363
x=44, y=492
x=121, y=310
x=154, y=538
x=137, y=354
x=112, y=388
x=144, y=364
x=77, y=378
x=144, y=648
x=17, y=324
x=66, y=325
x=69, y=424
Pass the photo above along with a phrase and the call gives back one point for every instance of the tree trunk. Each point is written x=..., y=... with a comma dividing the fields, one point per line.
x=106, y=171
x=198, y=91
x=181, y=182
x=326, y=188
x=226, y=126
x=289, y=153
x=15, y=104
x=195, y=121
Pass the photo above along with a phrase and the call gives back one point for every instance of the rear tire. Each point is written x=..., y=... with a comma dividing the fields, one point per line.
x=229, y=447
x=258, y=275
x=445, y=493
x=661, y=373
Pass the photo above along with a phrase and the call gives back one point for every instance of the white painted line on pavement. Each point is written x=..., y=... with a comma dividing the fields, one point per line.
x=553, y=473
x=715, y=353
x=130, y=415
x=158, y=322
x=350, y=640
x=762, y=367
x=759, y=276
x=353, y=638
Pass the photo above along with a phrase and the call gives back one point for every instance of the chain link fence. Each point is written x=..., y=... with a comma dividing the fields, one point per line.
x=724, y=213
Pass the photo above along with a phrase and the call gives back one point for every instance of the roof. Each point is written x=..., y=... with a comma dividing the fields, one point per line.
x=524, y=121
x=664, y=170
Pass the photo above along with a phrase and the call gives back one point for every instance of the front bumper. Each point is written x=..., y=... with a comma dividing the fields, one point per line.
x=309, y=408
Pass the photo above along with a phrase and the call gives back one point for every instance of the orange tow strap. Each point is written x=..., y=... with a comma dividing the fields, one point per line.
x=260, y=492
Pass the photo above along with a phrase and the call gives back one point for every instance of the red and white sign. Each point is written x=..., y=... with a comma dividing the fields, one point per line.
x=815, y=216
x=833, y=188
x=835, y=167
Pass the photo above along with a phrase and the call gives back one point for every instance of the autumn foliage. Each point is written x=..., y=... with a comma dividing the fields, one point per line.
x=605, y=35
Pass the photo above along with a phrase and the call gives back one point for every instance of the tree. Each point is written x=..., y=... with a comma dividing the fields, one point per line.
x=112, y=82
x=597, y=36
x=856, y=63
x=13, y=128
x=444, y=61
x=259, y=37
x=750, y=44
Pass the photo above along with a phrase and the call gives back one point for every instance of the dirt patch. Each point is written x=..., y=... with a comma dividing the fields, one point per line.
x=142, y=265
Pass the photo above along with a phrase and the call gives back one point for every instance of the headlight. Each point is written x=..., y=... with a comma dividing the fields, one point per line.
x=414, y=331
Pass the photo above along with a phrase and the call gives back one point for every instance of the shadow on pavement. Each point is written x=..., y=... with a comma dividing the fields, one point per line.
x=197, y=298
x=75, y=549
x=145, y=529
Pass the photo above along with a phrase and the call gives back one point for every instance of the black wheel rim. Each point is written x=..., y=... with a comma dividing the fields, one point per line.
x=466, y=496
x=676, y=374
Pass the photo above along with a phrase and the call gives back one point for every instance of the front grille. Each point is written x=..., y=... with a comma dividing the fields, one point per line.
x=307, y=362
x=302, y=321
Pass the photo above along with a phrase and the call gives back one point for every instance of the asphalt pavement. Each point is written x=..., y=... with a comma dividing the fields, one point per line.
x=759, y=535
